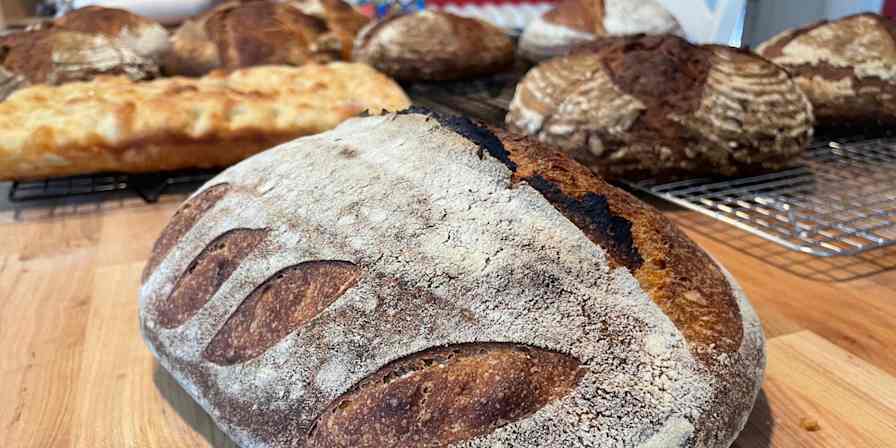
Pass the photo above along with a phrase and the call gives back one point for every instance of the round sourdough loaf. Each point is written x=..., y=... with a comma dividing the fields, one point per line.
x=434, y=46
x=244, y=34
x=643, y=105
x=412, y=280
x=573, y=22
x=847, y=68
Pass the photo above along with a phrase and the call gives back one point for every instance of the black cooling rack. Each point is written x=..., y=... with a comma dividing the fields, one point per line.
x=148, y=186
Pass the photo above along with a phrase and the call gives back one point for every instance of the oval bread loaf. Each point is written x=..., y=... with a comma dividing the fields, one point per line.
x=180, y=123
x=847, y=68
x=648, y=106
x=412, y=280
x=433, y=46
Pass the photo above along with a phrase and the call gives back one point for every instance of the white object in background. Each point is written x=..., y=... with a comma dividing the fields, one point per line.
x=164, y=11
x=709, y=24
x=511, y=16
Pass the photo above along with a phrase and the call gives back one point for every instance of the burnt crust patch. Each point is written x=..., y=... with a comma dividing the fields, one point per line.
x=183, y=220
x=591, y=213
x=676, y=274
x=205, y=275
x=463, y=126
x=279, y=306
x=446, y=395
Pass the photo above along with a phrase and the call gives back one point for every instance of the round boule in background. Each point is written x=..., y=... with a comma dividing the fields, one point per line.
x=847, y=68
x=245, y=34
x=649, y=106
x=434, y=46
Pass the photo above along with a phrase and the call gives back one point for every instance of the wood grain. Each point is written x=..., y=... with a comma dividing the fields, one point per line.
x=75, y=373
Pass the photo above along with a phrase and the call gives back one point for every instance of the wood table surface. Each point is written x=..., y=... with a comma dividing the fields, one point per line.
x=75, y=373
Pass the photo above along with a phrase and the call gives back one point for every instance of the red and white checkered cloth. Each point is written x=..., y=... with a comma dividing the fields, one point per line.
x=510, y=14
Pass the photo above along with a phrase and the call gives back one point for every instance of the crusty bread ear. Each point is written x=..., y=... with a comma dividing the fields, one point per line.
x=847, y=68
x=417, y=280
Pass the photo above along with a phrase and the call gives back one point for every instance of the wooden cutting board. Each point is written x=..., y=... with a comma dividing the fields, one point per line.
x=75, y=373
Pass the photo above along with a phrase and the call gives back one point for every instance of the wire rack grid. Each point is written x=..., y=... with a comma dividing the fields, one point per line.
x=840, y=201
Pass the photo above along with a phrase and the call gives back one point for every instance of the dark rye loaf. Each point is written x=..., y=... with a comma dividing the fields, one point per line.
x=847, y=68
x=417, y=281
x=647, y=106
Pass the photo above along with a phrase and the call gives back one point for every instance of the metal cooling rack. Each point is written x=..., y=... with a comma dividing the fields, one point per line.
x=148, y=186
x=840, y=201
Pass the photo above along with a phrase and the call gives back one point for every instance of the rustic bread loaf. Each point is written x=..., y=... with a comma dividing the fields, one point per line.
x=238, y=34
x=573, y=22
x=113, y=124
x=58, y=56
x=144, y=36
x=417, y=281
x=847, y=68
x=434, y=46
x=659, y=106
x=81, y=45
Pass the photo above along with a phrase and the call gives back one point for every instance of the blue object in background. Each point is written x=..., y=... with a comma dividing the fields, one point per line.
x=384, y=8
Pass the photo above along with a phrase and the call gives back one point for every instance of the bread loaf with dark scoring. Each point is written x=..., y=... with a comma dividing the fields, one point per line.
x=413, y=280
x=245, y=34
x=846, y=67
x=659, y=106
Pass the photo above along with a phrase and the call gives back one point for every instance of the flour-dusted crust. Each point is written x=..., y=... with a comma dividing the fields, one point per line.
x=114, y=124
x=573, y=22
x=847, y=68
x=434, y=46
x=413, y=265
x=658, y=105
